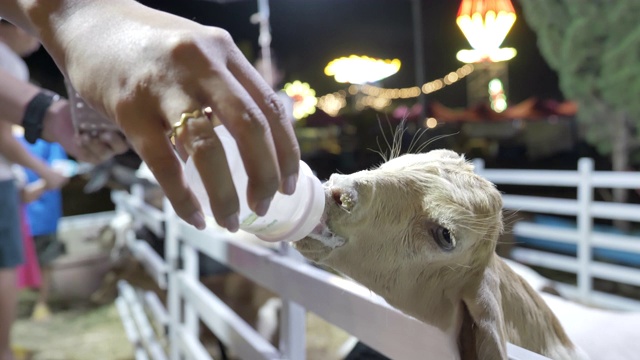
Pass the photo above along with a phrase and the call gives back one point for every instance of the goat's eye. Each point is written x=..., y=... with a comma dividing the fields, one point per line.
x=444, y=238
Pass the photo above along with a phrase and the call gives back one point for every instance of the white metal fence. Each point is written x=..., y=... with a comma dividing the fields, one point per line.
x=585, y=179
x=301, y=286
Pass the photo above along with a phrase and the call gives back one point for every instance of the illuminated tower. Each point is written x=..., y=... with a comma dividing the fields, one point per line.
x=485, y=24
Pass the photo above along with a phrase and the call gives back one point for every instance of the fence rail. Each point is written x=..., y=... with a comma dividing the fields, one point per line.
x=585, y=209
x=302, y=287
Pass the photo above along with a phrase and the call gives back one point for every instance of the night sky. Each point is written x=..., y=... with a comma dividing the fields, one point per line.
x=307, y=34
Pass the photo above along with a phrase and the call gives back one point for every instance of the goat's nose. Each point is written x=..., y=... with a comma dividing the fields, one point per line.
x=344, y=197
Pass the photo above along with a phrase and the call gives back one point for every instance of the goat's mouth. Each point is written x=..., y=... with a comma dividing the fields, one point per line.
x=323, y=239
x=326, y=236
x=319, y=243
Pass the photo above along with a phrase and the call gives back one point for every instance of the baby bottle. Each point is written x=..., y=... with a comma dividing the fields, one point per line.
x=290, y=217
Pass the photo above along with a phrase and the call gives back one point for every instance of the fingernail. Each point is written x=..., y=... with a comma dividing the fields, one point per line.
x=197, y=220
x=263, y=206
x=231, y=223
x=289, y=184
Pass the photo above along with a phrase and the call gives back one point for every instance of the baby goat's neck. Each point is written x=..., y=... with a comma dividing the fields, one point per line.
x=428, y=299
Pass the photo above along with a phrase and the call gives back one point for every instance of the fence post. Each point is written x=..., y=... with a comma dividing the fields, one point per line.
x=292, y=320
x=191, y=268
x=172, y=253
x=478, y=165
x=585, y=227
x=137, y=193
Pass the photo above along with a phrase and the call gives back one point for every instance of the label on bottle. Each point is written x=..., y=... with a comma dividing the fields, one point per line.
x=249, y=219
x=250, y=222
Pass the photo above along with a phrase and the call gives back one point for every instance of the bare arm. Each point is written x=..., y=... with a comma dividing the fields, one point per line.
x=13, y=151
x=143, y=68
x=14, y=97
x=57, y=126
x=32, y=191
x=13, y=10
x=53, y=20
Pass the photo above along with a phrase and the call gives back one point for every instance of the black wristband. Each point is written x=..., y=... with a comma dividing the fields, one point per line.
x=34, y=114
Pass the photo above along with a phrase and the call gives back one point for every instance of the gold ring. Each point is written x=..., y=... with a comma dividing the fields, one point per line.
x=184, y=117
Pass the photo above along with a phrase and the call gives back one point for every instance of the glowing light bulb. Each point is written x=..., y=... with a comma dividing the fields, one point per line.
x=361, y=69
x=485, y=24
x=304, y=98
x=431, y=122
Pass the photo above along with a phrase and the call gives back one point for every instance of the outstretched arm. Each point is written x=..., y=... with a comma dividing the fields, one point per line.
x=143, y=68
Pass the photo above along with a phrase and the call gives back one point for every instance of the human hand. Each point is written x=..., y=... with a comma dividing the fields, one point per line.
x=32, y=191
x=89, y=147
x=53, y=179
x=144, y=68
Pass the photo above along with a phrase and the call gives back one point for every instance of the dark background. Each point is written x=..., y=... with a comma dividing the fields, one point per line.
x=307, y=34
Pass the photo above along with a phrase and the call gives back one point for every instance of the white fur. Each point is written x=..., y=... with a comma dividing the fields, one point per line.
x=537, y=281
x=600, y=333
x=122, y=225
x=268, y=318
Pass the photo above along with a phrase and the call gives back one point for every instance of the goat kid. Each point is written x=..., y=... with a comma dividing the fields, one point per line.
x=421, y=232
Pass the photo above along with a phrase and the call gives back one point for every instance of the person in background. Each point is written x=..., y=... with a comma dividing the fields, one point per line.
x=13, y=44
x=28, y=274
x=43, y=215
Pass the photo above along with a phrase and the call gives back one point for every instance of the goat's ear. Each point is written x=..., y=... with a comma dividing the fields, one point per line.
x=486, y=331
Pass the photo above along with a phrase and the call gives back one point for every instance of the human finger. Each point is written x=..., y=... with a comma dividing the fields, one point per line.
x=179, y=147
x=205, y=149
x=247, y=124
x=83, y=152
x=73, y=147
x=115, y=140
x=95, y=147
x=284, y=139
x=99, y=146
x=148, y=138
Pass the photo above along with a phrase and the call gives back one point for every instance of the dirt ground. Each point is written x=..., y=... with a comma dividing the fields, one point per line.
x=76, y=331
x=82, y=332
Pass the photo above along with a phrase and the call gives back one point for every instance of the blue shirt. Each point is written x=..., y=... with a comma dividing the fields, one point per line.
x=45, y=212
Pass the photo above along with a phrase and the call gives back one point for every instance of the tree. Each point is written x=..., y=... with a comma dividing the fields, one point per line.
x=594, y=46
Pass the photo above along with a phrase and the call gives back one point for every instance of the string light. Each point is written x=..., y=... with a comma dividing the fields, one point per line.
x=427, y=88
x=332, y=103
x=361, y=69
